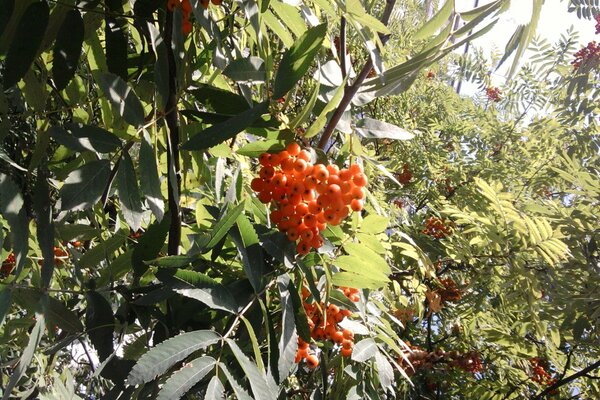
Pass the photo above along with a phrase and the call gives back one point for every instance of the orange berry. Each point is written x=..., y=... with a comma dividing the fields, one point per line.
x=314, y=207
x=312, y=361
x=295, y=198
x=279, y=180
x=360, y=180
x=204, y=3
x=323, y=200
x=304, y=155
x=345, y=174
x=316, y=242
x=257, y=184
x=354, y=298
x=278, y=195
x=264, y=197
x=287, y=165
x=276, y=216
x=348, y=334
x=302, y=209
x=333, y=169
x=321, y=226
x=358, y=193
x=334, y=190
x=334, y=180
x=306, y=235
x=216, y=2
x=346, y=352
x=267, y=172
x=356, y=205
x=292, y=234
x=308, y=194
x=303, y=248
x=310, y=220
x=332, y=309
x=337, y=337
x=320, y=172
x=264, y=159
x=293, y=148
x=300, y=166
x=311, y=182
x=347, y=344
x=355, y=169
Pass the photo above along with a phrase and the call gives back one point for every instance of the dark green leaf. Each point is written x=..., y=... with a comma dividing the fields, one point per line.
x=84, y=186
x=246, y=240
x=255, y=149
x=166, y=354
x=223, y=225
x=299, y=313
x=221, y=101
x=181, y=381
x=116, y=38
x=100, y=324
x=6, y=9
x=288, y=342
x=26, y=43
x=5, y=301
x=69, y=232
x=81, y=137
x=149, y=245
x=13, y=210
x=215, y=389
x=103, y=251
x=297, y=59
x=129, y=193
x=226, y=130
x=262, y=387
x=44, y=226
x=161, y=67
x=123, y=98
x=67, y=49
x=149, y=179
x=250, y=70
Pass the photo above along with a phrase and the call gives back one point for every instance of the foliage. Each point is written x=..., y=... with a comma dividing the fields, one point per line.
x=138, y=261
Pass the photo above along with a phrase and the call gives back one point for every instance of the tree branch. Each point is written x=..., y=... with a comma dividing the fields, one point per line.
x=171, y=117
x=351, y=91
x=567, y=380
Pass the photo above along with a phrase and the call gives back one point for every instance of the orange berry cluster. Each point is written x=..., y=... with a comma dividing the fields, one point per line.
x=186, y=8
x=323, y=324
x=423, y=359
x=493, y=94
x=406, y=176
x=449, y=292
x=540, y=375
x=436, y=228
x=307, y=197
x=8, y=265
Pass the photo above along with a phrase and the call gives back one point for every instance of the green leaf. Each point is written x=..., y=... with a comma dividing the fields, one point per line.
x=435, y=23
x=104, y=250
x=13, y=210
x=215, y=389
x=161, y=67
x=356, y=281
x=99, y=324
x=297, y=59
x=201, y=287
x=247, y=242
x=5, y=301
x=149, y=179
x=123, y=98
x=223, y=225
x=289, y=16
x=374, y=223
x=182, y=381
x=116, y=37
x=370, y=128
x=6, y=10
x=249, y=70
x=221, y=101
x=368, y=257
x=67, y=49
x=80, y=137
x=321, y=120
x=288, y=341
x=364, y=350
x=149, y=245
x=84, y=186
x=44, y=226
x=255, y=149
x=304, y=114
x=262, y=388
x=239, y=391
x=226, y=130
x=166, y=354
x=357, y=266
x=26, y=43
x=129, y=193
x=35, y=336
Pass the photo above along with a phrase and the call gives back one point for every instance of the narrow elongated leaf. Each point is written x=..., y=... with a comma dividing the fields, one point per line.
x=357, y=281
x=304, y=114
x=364, y=350
x=44, y=226
x=162, y=357
x=368, y=256
x=80, y=137
x=436, y=22
x=67, y=49
x=149, y=179
x=226, y=130
x=370, y=128
x=297, y=59
x=255, y=149
x=129, y=193
x=258, y=381
x=323, y=116
x=239, y=391
x=34, y=340
x=104, y=250
x=181, y=381
x=221, y=101
x=5, y=301
x=100, y=324
x=288, y=342
x=116, y=38
x=13, y=210
x=224, y=224
x=6, y=10
x=84, y=186
x=123, y=98
x=28, y=39
x=161, y=67
x=246, y=240
x=149, y=245
x=356, y=266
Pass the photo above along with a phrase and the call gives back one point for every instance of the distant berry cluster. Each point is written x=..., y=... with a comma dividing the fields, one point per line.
x=493, y=94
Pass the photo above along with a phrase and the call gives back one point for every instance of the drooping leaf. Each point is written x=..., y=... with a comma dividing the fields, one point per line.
x=123, y=98
x=84, y=186
x=149, y=179
x=28, y=39
x=221, y=101
x=166, y=354
x=80, y=137
x=116, y=38
x=149, y=245
x=67, y=49
x=181, y=381
x=288, y=340
x=129, y=193
x=297, y=59
x=364, y=350
x=224, y=224
x=220, y=132
x=246, y=240
x=99, y=324
x=321, y=120
x=249, y=70
x=261, y=386
x=370, y=128
x=435, y=23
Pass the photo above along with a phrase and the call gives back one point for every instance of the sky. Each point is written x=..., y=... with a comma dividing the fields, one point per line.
x=554, y=21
